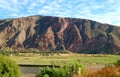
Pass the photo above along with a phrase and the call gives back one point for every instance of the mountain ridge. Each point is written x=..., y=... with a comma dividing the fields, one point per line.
x=57, y=33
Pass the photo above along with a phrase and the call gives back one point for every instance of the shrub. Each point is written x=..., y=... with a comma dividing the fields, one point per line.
x=46, y=75
x=64, y=71
x=52, y=72
x=8, y=68
x=117, y=63
x=4, y=52
x=108, y=71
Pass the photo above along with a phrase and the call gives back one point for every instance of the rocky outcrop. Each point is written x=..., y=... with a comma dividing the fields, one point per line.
x=56, y=33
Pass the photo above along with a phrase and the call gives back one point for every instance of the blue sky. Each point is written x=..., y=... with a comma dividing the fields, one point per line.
x=105, y=11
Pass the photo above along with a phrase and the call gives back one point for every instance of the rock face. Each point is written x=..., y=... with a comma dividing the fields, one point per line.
x=56, y=33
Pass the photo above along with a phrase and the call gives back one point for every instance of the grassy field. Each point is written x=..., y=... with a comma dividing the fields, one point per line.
x=60, y=59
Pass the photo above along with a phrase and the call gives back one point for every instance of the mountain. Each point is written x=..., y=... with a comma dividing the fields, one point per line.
x=56, y=33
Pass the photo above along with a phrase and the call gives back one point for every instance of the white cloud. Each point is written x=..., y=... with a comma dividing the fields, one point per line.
x=108, y=14
x=102, y=11
x=8, y=5
x=15, y=1
x=41, y=1
x=31, y=7
x=24, y=2
x=42, y=12
x=117, y=24
x=4, y=5
x=14, y=15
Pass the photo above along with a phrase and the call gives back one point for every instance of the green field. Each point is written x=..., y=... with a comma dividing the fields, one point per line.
x=60, y=59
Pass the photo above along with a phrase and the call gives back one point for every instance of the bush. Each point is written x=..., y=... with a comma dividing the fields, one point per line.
x=4, y=52
x=117, y=63
x=107, y=71
x=52, y=72
x=8, y=68
x=46, y=75
x=72, y=70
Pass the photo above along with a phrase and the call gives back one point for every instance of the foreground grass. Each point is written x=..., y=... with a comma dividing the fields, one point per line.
x=60, y=59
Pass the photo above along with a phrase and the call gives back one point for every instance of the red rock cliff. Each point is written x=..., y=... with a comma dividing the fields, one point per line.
x=56, y=33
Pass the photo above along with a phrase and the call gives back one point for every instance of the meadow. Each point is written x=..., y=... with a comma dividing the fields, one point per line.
x=91, y=65
x=63, y=58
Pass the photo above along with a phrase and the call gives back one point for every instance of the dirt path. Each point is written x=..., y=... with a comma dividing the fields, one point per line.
x=29, y=71
x=94, y=67
x=32, y=71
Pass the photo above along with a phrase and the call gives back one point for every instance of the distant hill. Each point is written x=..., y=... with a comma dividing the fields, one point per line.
x=56, y=33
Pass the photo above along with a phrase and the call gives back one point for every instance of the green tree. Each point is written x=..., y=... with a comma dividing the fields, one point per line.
x=8, y=68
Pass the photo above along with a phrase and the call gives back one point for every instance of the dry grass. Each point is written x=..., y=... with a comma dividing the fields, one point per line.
x=108, y=71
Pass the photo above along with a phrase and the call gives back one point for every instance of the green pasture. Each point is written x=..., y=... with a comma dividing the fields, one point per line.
x=60, y=59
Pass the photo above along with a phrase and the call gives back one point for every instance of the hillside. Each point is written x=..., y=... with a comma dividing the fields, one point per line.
x=56, y=33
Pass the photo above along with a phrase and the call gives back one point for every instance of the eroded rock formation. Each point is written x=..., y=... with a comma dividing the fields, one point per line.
x=56, y=33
